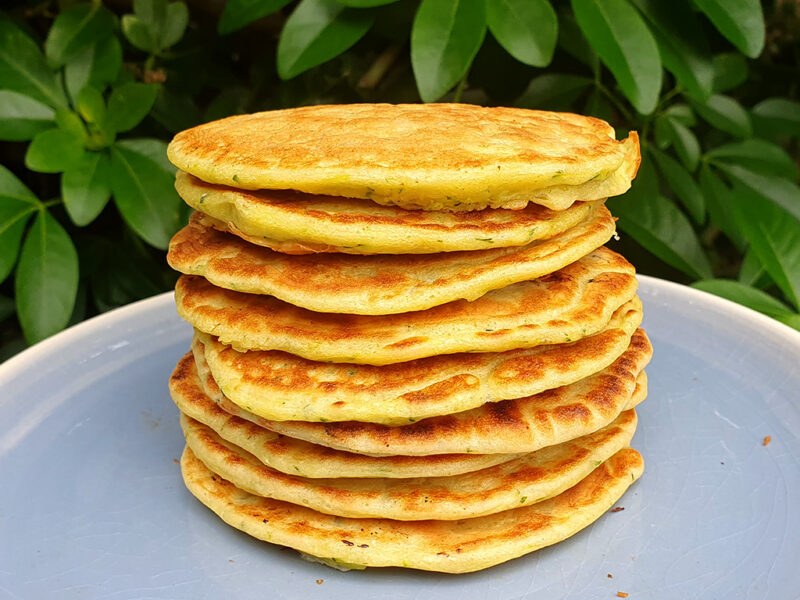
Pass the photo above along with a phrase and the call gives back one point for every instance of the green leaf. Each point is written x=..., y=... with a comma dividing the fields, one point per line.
x=779, y=116
x=75, y=29
x=7, y=308
x=776, y=190
x=317, y=31
x=86, y=189
x=749, y=297
x=91, y=105
x=671, y=131
x=129, y=104
x=574, y=43
x=445, y=38
x=730, y=71
x=682, y=183
x=53, y=151
x=720, y=206
x=598, y=106
x=658, y=225
x=365, y=3
x=625, y=45
x=681, y=43
x=143, y=189
x=23, y=68
x=757, y=155
x=527, y=29
x=553, y=91
x=772, y=234
x=238, y=13
x=682, y=113
x=752, y=272
x=22, y=117
x=139, y=34
x=97, y=65
x=725, y=113
x=175, y=24
x=47, y=279
x=741, y=21
x=17, y=204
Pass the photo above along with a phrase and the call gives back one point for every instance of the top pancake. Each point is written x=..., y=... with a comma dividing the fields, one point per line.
x=418, y=156
x=296, y=223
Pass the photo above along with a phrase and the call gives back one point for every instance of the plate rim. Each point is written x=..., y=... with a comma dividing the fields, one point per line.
x=108, y=319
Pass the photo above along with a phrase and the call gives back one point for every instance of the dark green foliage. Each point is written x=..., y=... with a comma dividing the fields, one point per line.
x=89, y=97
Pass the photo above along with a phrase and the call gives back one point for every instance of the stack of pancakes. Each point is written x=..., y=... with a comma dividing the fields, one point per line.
x=411, y=347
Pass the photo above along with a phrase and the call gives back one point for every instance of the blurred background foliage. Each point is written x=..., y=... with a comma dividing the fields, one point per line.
x=91, y=91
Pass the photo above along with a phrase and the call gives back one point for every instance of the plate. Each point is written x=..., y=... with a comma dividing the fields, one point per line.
x=92, y=503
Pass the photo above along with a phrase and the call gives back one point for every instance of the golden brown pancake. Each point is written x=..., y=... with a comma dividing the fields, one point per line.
x=381, y=284
x=511, y=426
x=428, y=156
x=564, y=306
x=526, y=480
x=297, y=223
x=449, y=546
x=281, y=386
x=297, y=457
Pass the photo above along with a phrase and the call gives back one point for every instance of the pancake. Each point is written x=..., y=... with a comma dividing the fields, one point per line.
x=297, y=457
x=416, y=156
x=574, y=302
x=381, y=284
x=526, y=480
x=512, y=426
x=281, y=386
x=297, y=223
x=449, y=546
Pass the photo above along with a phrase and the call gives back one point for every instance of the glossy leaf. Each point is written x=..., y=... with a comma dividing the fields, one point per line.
x=175, y=24
x=7, y=309
x=772, y=234
x=97, y=65
x=23, y=67
x=682, y=113
x=623, y=42
x=720, y=206
x=91, y=105
x=86, y=188
x=751, y=298
x=22, y=117
x=317, y=31
x=725, y=113
x=658, y=225
x=138, y=34
x=553, y=91
x=752, y=272
x=143, y=190
x=780, y=116
x=671, y=131
x=757, y=155
x=129, y=104
x=53, y=151
x=682, y=183
x=527, y=29
x=730, y=71
x=741, y=21
x=47, y=279
x=574, y=43
x=445, y=37
x=238, y=13
x=17, y=204
x=681, y=42
x=75, y=29
x=776, y=190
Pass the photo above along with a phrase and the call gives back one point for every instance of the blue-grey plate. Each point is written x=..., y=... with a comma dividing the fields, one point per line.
x=92, y=503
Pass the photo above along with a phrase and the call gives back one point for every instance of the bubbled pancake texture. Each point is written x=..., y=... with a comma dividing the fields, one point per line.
x=411, y=347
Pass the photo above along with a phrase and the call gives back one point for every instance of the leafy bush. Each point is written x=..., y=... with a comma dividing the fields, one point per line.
x=89, y=96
